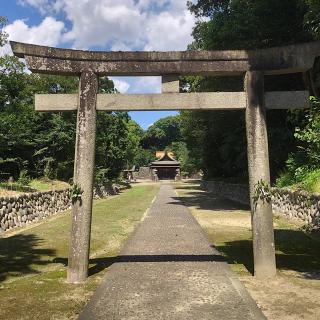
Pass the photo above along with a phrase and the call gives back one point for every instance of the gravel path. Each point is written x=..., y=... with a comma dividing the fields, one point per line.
x=169, y=270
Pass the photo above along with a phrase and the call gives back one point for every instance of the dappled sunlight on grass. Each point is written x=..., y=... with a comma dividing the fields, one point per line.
x=228, y=226
x=295, y=293
x=33, y=261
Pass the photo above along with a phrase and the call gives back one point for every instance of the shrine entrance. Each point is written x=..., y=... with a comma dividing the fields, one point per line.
x=254, y=101
x=166, y=168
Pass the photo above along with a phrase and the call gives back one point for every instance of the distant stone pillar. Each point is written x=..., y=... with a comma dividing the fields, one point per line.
x=178, y=175
x=83, y=177
x=258, y=163
x=170, y=84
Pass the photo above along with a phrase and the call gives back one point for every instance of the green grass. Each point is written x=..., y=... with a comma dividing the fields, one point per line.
x=46, y=185
x=33, y=261
x=14, y=187
x=230, y=230
x=309, y=183
x=35, y=185
x=295, y=250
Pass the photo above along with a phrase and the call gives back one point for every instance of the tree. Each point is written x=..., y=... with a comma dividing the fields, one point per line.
x=144, y=157
x=312, y=18
x=42, y=144
x=135, y=134
x=3, y=34
x=249, y=24
x=219, y=146
x=304, y=162
x=162, y=133
x=181, y=152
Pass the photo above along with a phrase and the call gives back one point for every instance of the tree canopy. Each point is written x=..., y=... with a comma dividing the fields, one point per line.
x=42, y=144
x=217, y=141
x=162, y=133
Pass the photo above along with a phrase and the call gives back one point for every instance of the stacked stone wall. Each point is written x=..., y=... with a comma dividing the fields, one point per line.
x=232, y=191
x=21, y=210
x=298, y=205
x=27, y=208
x=144, y=173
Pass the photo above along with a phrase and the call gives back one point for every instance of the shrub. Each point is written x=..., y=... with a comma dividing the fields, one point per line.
x=24, y=178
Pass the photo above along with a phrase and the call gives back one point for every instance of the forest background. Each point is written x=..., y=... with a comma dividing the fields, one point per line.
x=37, y=145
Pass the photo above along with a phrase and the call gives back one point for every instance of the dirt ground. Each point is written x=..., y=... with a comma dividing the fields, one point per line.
x=295, y=293
x=288, y=297
x=8, y=193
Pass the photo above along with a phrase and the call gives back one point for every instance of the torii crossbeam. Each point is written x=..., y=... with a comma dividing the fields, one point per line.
x=89, y=65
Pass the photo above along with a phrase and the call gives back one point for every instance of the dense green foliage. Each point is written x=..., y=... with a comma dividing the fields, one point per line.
x=216, y=140
x=166, y=134
x=303, y=165
x=162, y=133
x=34, y=144
x=249, y=24
x=42, y=144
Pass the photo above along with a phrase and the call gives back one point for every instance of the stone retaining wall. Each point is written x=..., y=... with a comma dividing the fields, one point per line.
x=298, y=205
x=109, y=189
x=144, y=173
x=232, y=191
x=21, y=210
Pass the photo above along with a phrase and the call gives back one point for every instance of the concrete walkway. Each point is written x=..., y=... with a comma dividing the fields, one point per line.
x=169, y=270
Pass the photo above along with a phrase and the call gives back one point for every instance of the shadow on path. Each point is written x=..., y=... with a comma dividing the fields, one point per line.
x=295, y=250
x=208, y=201
x=20, y=254
x=99, y=264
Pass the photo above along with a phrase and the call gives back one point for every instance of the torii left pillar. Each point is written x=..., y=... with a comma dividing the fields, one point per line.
x=258, y=167
x=83, y=177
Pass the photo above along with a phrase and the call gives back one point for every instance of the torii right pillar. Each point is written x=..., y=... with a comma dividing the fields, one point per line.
x=258, y=165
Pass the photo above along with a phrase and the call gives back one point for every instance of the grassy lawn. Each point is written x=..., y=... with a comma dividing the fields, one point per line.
x=295, y=293
x=310, y=182
x=39, y=185
x=33, y=261
x=46, y=185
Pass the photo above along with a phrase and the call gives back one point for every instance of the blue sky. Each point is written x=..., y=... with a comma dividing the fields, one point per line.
x=124, y=25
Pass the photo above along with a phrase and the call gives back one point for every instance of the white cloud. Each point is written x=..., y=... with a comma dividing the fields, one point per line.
x=121, y=86
x=47, y=33
x=146, y=85
x=123, y=24
x=6, y=49
x=44, y=6
x=120, y=46
x=168, y=31
x=104, y=23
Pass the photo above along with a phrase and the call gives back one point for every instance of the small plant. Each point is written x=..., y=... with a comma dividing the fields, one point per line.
x=76, y=194
x=24, y=178
x=262, y=191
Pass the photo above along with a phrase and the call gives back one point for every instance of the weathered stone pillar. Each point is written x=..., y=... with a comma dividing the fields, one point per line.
x=170, y=84
x=83, y=177
x=258, y=162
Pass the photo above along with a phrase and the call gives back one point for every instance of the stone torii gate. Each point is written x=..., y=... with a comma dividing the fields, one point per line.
x=89, y=65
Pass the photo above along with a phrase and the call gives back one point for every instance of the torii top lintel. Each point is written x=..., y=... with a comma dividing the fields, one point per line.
x=278, y=60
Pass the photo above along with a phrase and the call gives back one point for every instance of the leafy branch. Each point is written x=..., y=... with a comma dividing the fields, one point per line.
x=262, y=191
x=76, y=194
